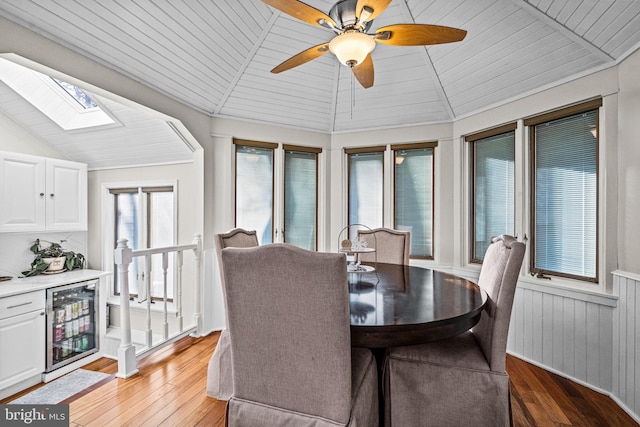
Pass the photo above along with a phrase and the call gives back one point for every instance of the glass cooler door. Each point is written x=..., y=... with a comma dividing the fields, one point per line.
x=72, y=330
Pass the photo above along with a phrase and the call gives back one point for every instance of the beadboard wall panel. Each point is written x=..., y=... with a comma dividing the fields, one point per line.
x=567, y=332
x=626, y=341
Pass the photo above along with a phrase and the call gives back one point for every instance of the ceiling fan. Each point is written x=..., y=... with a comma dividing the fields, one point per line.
x=350, y=20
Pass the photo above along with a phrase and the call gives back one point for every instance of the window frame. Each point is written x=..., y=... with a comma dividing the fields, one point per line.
x=531, y=123
x=364, y=150
x=109, y=232
x=417, y=146
x=255, y=144
x=278, y=183
x=472, y=139
x=300, y=149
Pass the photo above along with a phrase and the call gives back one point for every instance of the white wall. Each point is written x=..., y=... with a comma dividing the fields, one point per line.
x=629, y=165
x=15, y=138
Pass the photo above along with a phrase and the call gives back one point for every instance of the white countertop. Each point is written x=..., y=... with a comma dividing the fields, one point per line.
x=22, y=285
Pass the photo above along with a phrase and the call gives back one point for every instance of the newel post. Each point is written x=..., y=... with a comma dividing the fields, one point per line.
x=198, y=261
x=127, y=365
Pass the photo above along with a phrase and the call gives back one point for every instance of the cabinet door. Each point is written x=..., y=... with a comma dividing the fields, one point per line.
x=66, y=196
x=22, y=192
x=23, y=347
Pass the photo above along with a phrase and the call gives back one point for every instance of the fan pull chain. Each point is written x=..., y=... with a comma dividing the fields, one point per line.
x=353, y=95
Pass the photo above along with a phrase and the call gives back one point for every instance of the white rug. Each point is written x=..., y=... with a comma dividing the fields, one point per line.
x=62, y=388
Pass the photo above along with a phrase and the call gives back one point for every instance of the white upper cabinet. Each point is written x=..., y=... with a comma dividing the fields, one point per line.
x=38, y=193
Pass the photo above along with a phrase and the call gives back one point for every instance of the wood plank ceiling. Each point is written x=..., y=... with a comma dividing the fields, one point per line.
x=216, y=56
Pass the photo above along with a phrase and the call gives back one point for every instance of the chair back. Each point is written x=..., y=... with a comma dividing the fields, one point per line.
x=498, y=277
x=392, y=246
x=236, y=238
x=289, y=319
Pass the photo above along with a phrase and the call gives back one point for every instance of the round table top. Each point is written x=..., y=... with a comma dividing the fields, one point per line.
x=405, y=305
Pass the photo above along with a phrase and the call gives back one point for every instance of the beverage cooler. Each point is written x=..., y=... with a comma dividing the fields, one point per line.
x=72, y=323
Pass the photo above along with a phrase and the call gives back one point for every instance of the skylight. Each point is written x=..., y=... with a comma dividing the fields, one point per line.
x=76, y=93
x=66, y=104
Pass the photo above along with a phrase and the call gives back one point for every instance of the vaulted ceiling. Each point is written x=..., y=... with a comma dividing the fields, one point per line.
x=216, y=56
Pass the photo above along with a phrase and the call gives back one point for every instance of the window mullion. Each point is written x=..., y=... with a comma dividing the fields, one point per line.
x=278, y=193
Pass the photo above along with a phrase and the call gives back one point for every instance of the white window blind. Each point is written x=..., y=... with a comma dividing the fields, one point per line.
x=254, y=191
x=413, y=208
x=493, y=190
x=365, y=189
x=300, y=194
x=566, y=196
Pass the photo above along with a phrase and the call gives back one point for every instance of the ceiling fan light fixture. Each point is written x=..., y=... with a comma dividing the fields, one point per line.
x=352, y=47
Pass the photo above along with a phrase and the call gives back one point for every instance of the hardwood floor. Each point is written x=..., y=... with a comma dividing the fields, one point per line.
x=170, y=391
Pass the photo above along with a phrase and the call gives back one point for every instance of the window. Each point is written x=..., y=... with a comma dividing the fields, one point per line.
x=145, y=216
x=413, y=195
x=280, y=207
x=254, y=188
x=76, y=93
x=366, y=186
x=66, y=104
x=301, y=196
x=409, y=202
x=564, y=193
x=492, y=155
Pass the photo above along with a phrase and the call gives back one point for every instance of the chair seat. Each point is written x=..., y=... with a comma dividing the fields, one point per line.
x=364, y=412
x=452, y=367
x=461, y=351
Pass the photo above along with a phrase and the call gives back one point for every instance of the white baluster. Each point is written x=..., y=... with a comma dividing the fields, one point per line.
x=165, y=266
x=147, y=286
x=198, y=279
x=179, y=261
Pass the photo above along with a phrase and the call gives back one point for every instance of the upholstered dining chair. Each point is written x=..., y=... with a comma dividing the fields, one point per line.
x=291, y=345
x=460, y=381
x=219, y=375
x=392, y=246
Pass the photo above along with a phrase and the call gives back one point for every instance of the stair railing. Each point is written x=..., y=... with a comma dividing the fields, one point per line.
x=123, y=257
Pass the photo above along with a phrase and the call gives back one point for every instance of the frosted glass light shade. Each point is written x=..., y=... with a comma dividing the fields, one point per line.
x=352, y=47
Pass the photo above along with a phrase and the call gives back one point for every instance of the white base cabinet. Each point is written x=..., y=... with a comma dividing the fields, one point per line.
x=42, y=194
x=22, y=337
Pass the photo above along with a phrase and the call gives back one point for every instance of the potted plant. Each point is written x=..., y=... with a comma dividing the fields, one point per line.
x=53, y=259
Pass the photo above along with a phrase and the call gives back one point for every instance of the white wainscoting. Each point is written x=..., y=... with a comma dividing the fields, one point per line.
x=564, y=331
x=626, y=341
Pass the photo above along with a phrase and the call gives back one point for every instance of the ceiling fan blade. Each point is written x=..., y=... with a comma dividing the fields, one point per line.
x=364, y=72
x=378, y=6
x=418, y=34
x=304, y=56
x=303, y=12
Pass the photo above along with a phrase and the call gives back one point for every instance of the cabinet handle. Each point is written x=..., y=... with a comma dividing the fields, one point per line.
x=20, y=305
x=41, y=194
x=51, y=195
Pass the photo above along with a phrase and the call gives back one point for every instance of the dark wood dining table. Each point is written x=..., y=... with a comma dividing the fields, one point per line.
x=399, y=305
